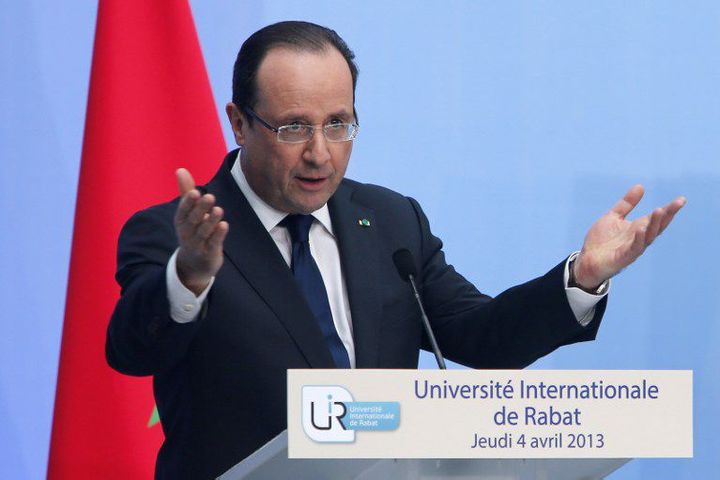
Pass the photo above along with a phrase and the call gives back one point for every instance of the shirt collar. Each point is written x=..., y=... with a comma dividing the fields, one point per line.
x=270, y=216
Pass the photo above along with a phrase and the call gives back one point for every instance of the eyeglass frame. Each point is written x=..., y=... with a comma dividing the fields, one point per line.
x=277, y=130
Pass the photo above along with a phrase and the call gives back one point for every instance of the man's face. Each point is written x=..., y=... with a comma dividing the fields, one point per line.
x=313, y=88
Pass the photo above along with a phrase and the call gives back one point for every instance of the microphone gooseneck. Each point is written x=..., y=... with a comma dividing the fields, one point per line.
x=405, y=265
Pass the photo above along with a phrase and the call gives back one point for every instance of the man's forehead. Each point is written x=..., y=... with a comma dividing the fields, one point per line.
x=293, y=76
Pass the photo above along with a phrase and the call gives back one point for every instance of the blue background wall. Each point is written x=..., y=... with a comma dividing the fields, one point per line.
x=516, y=124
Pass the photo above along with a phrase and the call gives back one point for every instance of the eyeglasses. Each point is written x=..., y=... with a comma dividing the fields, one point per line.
x=300, y=133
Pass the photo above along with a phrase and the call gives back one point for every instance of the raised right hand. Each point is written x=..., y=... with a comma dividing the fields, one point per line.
x=201, y=232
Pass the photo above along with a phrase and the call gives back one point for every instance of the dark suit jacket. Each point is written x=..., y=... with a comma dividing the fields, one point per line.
x=220, y=381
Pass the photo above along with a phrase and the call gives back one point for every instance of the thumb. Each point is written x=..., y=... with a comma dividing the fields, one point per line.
x=185, y=181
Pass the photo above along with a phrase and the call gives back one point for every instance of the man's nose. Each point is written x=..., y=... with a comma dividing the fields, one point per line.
x=316, y=149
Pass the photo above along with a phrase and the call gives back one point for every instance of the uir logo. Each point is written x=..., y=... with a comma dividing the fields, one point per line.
x=323, y=409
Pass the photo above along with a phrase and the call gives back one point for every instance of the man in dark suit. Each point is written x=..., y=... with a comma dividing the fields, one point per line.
x=279, y=262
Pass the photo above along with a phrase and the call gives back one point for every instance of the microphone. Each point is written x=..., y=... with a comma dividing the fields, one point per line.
x=405, y=265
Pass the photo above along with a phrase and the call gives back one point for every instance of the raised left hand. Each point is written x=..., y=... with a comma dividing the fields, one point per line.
x=613, y=242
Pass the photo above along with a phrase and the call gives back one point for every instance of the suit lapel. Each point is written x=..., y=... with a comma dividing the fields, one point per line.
x=251, y=250
x=360, y=263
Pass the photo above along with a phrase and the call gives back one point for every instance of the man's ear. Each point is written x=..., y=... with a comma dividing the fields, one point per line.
x=237, y=121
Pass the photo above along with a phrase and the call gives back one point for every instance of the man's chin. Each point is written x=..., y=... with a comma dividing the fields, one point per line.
x=305, y=205
x=306, y=202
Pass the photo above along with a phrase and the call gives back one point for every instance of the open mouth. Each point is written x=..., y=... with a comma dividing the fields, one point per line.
x=312, y=183
x=312, y=180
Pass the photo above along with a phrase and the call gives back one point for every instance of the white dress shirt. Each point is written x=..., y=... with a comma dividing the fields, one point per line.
x=184, y=305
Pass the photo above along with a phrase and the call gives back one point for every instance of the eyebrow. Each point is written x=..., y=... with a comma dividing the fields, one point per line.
x=344, y=114
x=303, y=118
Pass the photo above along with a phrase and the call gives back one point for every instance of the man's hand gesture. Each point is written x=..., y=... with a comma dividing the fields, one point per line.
x=614, y=242
x=200, y=231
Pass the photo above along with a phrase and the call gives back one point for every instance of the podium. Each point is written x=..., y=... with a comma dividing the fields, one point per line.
x=271, y=462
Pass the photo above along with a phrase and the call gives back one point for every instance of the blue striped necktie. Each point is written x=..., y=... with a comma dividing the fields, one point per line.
x=307, y=275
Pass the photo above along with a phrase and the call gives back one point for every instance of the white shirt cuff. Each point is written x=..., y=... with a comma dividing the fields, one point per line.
x=581, y=303
x=184, y=305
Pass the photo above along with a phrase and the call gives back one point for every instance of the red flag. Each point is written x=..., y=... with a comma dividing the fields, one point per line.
x=150, y=110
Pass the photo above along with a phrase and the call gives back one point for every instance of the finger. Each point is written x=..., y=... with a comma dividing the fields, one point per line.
x=670, y=210
x=216, y=239
x=653, y=228
x=638, y=244
x=185, y=180
x=629, y=201
x=201, y=207
x=187, y=202
x=206, y=227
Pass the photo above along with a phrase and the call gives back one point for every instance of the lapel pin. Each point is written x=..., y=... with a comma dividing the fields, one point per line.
x=364, y=222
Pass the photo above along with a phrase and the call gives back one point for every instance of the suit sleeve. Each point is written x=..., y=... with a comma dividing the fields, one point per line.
x=142, y=338
x=512, y=330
